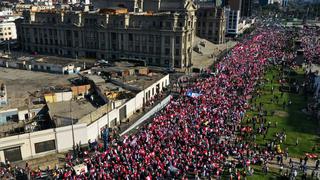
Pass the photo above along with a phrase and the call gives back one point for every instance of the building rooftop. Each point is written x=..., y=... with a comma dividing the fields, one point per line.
x=44, y=59
x=74, y=109
x=139, y=82
x=125, y=75
x=22, y=85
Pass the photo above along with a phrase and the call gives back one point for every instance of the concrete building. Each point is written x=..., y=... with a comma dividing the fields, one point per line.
x=208, y=3
x=6, y=12
x=160, y=39
x=89, y=121
x=24, y=94
x=8, y=28
x=211, y=24
x=234, y=4
x=246, y=8
x=42, y=63
x=233, y=19
x=144, y=5
x=131, y=5
x=19, y=8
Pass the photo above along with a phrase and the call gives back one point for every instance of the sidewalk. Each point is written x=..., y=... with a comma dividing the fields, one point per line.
x=43, y=162
x=296, y=163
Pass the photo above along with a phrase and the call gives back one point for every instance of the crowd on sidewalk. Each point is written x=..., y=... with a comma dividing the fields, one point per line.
x=199, y=136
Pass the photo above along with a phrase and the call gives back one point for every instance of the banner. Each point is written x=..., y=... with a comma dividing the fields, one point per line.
x=193, y=95
x=80, y=168
x=105, y=137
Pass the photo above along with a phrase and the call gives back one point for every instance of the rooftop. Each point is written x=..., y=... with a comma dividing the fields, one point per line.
x=45, y=59
x=140, y=82
x=22, y=84
x=125, y=75
x=65, y=110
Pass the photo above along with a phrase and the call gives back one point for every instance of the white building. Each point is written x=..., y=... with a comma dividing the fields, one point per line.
x=233, y=19
x=6, y=12
x=40, y=143
x=8, y=28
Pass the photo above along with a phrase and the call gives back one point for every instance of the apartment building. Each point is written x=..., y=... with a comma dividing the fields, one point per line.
x=211, y=24
x=8, y=28
x=233, y=20
x=160, y=39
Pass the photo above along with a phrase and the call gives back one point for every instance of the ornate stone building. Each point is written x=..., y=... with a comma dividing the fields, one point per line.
x=162, y=38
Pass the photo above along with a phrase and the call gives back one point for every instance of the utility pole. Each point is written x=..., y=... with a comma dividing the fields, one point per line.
x=9, y=47
x=108, y=111
x=73, y=143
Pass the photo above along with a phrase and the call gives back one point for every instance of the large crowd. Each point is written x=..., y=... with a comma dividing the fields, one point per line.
x=310, y=43
x=193, y=136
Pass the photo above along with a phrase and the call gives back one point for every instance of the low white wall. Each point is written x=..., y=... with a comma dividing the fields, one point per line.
x=26, y=143
x=150, y=113
x=64, y=138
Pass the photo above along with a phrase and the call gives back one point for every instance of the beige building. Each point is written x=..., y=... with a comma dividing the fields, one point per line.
x=211, y=24
x=160, y=39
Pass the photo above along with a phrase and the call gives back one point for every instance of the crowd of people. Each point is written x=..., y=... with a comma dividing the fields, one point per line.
x=310, y=43
x=193, y=136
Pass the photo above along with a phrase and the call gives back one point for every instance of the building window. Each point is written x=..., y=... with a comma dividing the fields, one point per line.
x=178, y=39
x=158, y=50
x=177, y=53
x=151, y=38
x=45, y=146
x=168, y=24
x=137, y=49
x=150, y=60
x=13, y=154
x=167, y=40
x=176, y=63
x=158, y=60
x=167, y=51
x=151, y=50
x=137, y=37
x=144, y=49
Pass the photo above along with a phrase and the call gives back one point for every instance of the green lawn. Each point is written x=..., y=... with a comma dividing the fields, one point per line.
x=292, y=119
x=258, y=174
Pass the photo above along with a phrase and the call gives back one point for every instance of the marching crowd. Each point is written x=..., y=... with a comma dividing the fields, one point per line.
x=310, y=43
x=193, y=136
